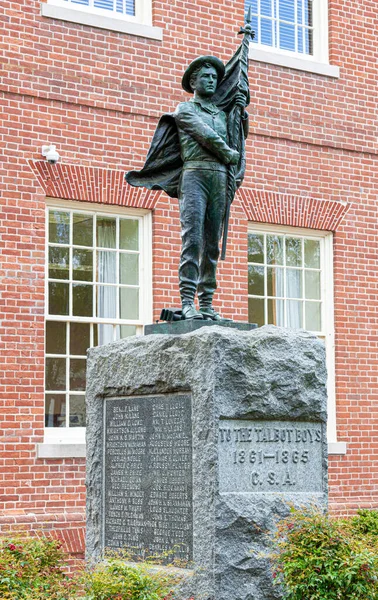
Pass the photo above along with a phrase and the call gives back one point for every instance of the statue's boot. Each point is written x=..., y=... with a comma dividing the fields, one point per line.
x=189, y=311
x=209, y=312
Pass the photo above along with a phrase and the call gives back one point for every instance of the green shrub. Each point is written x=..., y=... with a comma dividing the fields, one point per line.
x=365, y=524
x=31, y=569
x=319, y=558
x=117, y=580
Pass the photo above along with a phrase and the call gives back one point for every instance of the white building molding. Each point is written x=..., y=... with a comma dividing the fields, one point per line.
x=140, y=25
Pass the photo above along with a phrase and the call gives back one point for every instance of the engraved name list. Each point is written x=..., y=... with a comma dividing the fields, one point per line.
x=148, y=474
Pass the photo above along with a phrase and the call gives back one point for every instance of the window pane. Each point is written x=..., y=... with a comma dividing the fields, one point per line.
x=55, y=410
x=59, y=262
x=55, y=376
x=82, y=298
x=82, y=230
x=286, y=10
x=59, y=227
x=255, y=248
x=82, y=265
x=309, y=41
x=104, y=334
x=79, y=338
x=266, y=7
x=55, y=337
x=293, y=283
x=107, y=302
x=77, y=374
x=276, y=315
x=308, y=13
x=275, y=282
x=255, y=28
x=106, y=267
x=274, y=249
x=300, y=12
x=287, y=37
x=105, y=4
x=129, y=234
x=129, y=303
x=58, y=298
x=293, y=252
x=256, y=311
x=312, y=253
x=256, y=280
x=313, y=316
x=267, y=32
x=77, y=411
x=300, y=39
x=124, y=331
x=129, y=5
x=129, y=269
x=294, y=314
x=106, y=232
x=312, y=285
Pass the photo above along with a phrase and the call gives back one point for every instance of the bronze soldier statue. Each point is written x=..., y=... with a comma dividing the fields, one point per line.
x=205, y=152
x=191, y=158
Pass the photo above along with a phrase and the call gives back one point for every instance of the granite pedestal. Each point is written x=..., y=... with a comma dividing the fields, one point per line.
x=200, y=442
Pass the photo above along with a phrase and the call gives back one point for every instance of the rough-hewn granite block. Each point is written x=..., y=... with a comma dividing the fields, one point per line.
x=258, y=418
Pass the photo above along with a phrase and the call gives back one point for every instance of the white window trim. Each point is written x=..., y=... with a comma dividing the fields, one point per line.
x=326, y=267
x=317, y=63
x=64, y=442
x=140, y=24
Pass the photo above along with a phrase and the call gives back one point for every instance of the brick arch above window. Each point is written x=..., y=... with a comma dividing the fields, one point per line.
x=296, y=211
x=91, y=184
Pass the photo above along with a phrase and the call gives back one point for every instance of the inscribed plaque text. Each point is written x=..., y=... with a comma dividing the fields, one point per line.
x=148, y=474
x=270, y=456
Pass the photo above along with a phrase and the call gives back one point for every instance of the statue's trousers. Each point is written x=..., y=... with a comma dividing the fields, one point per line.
x=202, y=199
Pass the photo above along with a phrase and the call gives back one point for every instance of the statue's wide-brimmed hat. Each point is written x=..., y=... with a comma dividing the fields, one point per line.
x=196, y=64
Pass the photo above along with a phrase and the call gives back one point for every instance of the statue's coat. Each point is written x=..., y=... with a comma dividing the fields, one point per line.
x=163, y=165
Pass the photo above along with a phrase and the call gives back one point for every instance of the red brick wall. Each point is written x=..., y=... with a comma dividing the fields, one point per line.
x=97, y=95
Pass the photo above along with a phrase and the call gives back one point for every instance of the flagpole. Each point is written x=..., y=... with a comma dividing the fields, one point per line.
x=236, y=116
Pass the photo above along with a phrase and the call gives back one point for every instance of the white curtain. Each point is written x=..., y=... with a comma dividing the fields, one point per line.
x=276, y=289
x=106, y=269
x=294, y=290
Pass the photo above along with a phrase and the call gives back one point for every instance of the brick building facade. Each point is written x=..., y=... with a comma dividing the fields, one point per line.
x=85, y=258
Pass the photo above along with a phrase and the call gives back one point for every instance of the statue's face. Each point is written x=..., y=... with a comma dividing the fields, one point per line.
x=205, y=83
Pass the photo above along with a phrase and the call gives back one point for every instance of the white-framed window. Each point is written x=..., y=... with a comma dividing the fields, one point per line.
x=290, y=284
x=128, y=16
x=98, y=289
x=284, y=24
x=292, y=33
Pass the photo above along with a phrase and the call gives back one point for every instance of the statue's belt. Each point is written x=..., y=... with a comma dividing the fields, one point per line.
x=204, y=165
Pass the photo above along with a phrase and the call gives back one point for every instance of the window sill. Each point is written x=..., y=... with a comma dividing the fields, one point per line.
x=339, y=448
x=294, y=62
x=103, y=22
x=61, y=451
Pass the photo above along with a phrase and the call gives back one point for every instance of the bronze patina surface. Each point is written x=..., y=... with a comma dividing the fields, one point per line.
x=198, y=155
